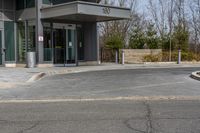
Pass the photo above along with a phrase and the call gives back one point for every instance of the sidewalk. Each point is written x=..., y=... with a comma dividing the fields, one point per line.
x=10, y=77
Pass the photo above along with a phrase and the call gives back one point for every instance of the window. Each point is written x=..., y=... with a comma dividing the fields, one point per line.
x=30, y=3
x=8, y=4
x=47, y=44
x=31, y=36
x=21, y=43
x=25, y=39
x=22, y=4
x=47, y=2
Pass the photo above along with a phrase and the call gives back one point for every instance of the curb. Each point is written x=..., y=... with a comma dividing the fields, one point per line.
x=61, y=72
x=122, y=67
x=160, y=63
x=36, y=77
x=195, y=75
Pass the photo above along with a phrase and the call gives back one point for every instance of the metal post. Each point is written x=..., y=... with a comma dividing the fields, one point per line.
x=98, y=48
x=76, y=46
x=170, y=49
x=179, y=56
x=116, y=57
x=123, y=57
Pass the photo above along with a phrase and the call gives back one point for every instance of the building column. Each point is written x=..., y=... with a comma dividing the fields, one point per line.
x=90, y=41
x=39, y=33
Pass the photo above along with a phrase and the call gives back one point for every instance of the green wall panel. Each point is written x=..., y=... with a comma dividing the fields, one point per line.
x=0, y=48
x=9, y=41
x=46, y=2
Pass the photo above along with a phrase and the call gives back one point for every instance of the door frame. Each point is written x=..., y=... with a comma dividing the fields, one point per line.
x=65, y=27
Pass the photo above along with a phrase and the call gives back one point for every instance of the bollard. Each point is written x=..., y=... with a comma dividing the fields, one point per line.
x=123, y=57
x=116, y=57
x=179, y=56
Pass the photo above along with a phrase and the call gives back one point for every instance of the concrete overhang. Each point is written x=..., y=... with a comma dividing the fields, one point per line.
x=85, y=12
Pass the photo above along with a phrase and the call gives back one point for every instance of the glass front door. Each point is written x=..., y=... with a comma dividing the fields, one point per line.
x=64, y=47
x=59, y=42
x=70, y=47
x=1, y=51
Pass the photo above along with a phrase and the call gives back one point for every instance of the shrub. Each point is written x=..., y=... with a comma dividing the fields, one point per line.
x=185, y=56
x=114, y=42
x=152, y=58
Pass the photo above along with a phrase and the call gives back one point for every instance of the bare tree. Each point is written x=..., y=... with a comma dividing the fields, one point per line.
x=170, y=23
x=181, y=35
x=158, y=12
x=121, y=27
x=195, y=24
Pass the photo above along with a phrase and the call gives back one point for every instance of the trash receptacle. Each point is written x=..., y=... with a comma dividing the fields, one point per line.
x=31, y=59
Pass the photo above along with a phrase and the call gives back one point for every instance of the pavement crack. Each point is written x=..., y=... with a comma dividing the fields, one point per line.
x=149, y=123
x=128, y=125
x=29, y=128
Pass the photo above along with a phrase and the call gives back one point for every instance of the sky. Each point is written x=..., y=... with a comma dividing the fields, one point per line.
x=142, y=5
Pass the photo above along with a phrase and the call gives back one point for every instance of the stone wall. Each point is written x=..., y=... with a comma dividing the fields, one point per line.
x=137, y=55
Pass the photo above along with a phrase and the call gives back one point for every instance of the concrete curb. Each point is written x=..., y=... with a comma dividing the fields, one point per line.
x=123, y=67
x=36, y=77
x=133, y=98
x=119, y=67
x=195, y=75
x=160, y=63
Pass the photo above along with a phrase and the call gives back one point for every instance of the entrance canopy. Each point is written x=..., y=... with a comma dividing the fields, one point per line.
x=85, y=12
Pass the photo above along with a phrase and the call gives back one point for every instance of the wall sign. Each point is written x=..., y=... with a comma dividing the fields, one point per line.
x=70, y=44
x=41, y=38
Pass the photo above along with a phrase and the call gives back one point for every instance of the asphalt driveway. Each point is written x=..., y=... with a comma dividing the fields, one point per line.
x=101, y=117
x=109, y=84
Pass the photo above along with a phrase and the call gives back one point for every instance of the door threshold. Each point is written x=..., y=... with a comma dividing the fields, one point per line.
x=70, y=65
x=64, y=65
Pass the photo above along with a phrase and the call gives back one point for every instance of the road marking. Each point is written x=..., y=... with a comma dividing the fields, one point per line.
x=157, y=85
x=142, y=86
x=133, y=98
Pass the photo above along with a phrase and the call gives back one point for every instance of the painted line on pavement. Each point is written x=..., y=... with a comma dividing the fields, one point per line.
x=134, y=98
x=142, y=86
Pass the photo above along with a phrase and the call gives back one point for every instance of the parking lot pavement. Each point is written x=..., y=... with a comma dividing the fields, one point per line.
x=149, y=82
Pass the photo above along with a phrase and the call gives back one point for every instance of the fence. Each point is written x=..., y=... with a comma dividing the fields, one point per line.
x=107, y=55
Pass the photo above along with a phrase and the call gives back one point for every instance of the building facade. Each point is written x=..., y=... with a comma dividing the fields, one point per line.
x=61, y=32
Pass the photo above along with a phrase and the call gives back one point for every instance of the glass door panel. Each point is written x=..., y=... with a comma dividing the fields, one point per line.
x=31, y=36
x=70, y=48
x=59, y=42
x=21, y=43
x=80, y=40
x=47, y=44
